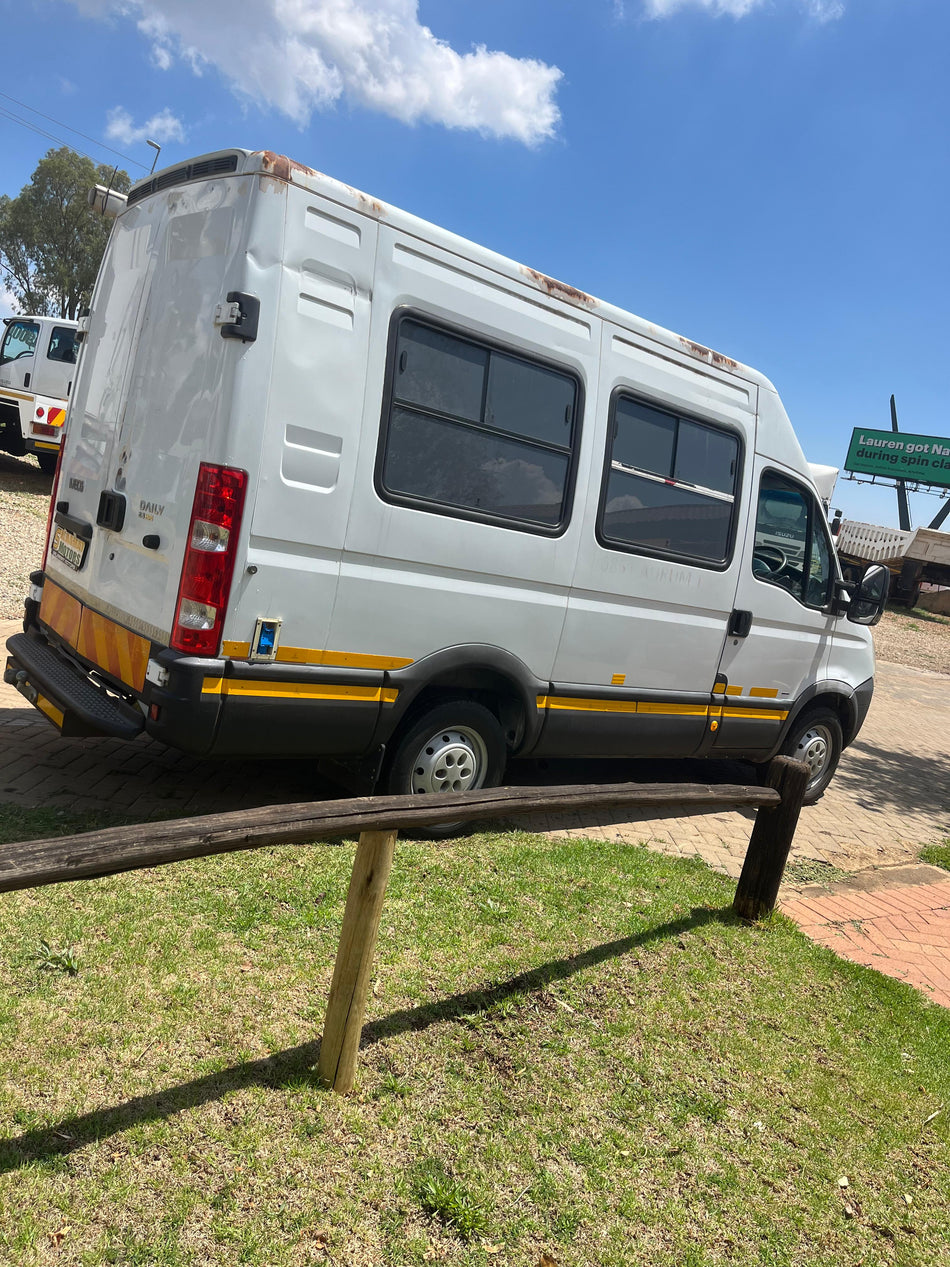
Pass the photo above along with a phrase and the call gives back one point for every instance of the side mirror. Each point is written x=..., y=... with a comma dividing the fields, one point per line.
x=870, y=596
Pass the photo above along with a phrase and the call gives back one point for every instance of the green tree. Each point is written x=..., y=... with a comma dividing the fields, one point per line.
x=51, y=242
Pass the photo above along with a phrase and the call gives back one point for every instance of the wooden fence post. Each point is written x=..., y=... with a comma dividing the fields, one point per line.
x=771, y=840
x=354, y=959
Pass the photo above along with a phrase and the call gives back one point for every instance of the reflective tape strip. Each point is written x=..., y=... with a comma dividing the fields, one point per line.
x=8, y=391
x=651, y=708
x=676, y=710
x=776, y=714
x=51, y=711
x=764, y=692
x=554, y=702
x=61, y=612
x=256, y=688
x=314, y=656
x=121, y=653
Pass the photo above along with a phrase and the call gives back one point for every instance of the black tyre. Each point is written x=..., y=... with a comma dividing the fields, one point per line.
x=454, y=747
x=816, y=739
x=47, y=462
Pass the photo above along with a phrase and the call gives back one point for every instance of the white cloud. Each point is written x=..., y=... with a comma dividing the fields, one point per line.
x=302, y=55
x=161, y=127
x=820, y=10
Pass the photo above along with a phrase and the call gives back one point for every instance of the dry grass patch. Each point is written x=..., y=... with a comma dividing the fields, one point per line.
x=573, y=1050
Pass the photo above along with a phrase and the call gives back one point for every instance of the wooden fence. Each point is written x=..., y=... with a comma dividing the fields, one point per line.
x=378, y=820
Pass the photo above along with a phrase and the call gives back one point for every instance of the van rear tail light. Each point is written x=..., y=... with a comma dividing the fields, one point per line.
x=208, y=566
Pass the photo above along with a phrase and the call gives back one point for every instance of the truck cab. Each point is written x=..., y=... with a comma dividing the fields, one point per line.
x=37, y=367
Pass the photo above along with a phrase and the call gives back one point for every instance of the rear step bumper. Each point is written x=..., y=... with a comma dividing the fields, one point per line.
x=74, y=704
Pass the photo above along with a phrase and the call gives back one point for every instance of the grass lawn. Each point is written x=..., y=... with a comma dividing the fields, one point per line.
x=937, y=855
x=574, y=1055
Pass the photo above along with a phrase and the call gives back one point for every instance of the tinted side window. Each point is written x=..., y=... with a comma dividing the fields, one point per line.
x=19, y=339
x=62, y=345
x=477, y=431
x=791, y=548
x=670, y=485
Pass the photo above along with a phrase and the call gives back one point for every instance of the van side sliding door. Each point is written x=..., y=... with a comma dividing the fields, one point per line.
x=657, y=568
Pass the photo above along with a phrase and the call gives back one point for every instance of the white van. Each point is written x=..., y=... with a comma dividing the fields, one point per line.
x=37, y=368
x=340, y=484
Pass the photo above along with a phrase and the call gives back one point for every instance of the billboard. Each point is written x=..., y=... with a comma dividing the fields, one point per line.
x=900, y=455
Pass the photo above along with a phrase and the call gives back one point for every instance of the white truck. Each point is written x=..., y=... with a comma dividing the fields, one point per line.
x=37, y=368
x=340, y=484
x=910, y=555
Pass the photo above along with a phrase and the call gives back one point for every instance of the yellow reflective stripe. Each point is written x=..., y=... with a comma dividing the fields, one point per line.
x=587, y=705
x=8, y=391
x=681, y=710
x=297, y=690
x=764, y=692
x=650, y=708
x=733, y=690
x=313, y=655
x=775, y=714
x=51, y=711
x=41, y=444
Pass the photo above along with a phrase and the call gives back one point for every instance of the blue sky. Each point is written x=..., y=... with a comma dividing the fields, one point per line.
x=767, y=177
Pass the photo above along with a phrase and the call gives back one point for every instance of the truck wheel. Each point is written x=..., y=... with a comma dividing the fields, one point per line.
x=816, y=739
x=47, y=462
x=454, y=747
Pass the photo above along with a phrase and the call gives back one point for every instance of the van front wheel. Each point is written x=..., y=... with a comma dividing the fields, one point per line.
x=455, y=747
x=816, y=739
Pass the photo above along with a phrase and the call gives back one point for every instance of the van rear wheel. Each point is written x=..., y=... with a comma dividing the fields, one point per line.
x=816, y=739
x=455, y=747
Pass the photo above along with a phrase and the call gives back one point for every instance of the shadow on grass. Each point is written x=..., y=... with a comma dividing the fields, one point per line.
x=299, y=1063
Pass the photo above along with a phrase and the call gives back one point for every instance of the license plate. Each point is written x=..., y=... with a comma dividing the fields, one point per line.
x=70, y=548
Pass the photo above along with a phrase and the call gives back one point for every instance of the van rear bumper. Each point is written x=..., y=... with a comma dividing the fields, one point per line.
x=64, y=694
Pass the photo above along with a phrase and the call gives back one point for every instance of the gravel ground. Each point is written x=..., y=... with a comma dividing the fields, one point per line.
x=918, y=640
x=24, y=502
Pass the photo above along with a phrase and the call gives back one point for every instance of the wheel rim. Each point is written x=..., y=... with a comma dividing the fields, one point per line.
x=815, y=748
x=452, y=760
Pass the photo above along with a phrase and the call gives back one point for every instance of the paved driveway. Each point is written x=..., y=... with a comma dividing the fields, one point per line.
x=891, y=795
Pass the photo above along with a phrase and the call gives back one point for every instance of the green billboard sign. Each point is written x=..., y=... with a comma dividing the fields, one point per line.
x=925, y=459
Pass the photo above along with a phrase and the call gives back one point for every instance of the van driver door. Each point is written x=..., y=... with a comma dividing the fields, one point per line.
x=780, y=633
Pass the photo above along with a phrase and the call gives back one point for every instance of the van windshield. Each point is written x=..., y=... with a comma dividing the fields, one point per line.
x=19, y=340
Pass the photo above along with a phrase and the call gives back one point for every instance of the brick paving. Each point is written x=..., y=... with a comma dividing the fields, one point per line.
x=895, y=919
x=890, y=797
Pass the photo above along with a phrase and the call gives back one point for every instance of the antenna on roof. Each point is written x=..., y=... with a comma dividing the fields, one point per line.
x=158, y=149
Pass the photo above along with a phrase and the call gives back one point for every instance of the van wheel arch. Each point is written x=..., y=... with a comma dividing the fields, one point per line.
x=499, y=696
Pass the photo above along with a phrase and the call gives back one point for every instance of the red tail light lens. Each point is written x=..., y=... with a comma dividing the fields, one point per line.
x=208, y=566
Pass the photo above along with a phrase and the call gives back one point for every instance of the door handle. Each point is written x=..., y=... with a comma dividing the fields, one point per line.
x=26, y=380
x=740, y=622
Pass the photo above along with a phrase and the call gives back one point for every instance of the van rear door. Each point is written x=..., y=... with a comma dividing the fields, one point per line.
x=152, y=399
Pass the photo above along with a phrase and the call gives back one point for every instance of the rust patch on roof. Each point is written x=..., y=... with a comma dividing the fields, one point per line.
x=709, y=356
x=559, y=290
x=282, y=167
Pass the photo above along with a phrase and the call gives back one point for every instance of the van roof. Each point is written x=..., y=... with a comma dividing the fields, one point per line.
x=279, y=167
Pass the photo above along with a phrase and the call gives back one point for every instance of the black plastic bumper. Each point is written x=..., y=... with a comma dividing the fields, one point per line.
x=37, y=669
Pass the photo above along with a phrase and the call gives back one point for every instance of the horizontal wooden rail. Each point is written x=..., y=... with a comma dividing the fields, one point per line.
x=32, y=863
x=377, y=820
